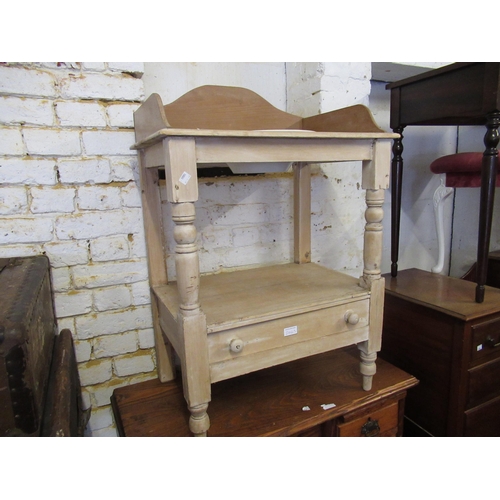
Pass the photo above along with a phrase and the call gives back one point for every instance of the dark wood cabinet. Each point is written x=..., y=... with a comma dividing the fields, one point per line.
x=435, y=330
x=285, y=400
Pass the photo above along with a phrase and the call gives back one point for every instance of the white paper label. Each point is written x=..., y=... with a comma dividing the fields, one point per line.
x=185, y=178
x=328, y=406
x=479, y=347
x=291, y=330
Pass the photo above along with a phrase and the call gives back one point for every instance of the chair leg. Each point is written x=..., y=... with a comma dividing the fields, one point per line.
x=441, y=193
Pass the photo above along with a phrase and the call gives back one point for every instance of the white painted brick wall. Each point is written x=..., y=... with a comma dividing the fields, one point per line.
x=61, y=280
x=11, y=142
x=110, y=322
x=107, y=142
x=67, y=253
x=99, y=198
x=124, y=168
x=120, y=115
x=27, y=171
x=146, y=338
x=17, y=110
x=45, y=142
x=130, y=364
x=13, y=200
x=114, y=297
x=47, y=199
x=112, y=248
x=95, y=372
x=33, y=82
x=140, y=293
x=26, y=230
x=103, y=274
x=92, y=171
x=112, y=87
x=114, y=345
x=72, y=303
x=80, y=114
x=68, y=189
x=99, y=223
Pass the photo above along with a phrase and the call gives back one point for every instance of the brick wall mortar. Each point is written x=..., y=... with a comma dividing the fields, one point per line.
x=68, y=189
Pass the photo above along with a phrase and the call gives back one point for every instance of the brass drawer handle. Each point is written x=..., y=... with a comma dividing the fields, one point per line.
x=370, y=429
x=491, y=343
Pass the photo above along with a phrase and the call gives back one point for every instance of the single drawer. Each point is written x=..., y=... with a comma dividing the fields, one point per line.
x=274, y=334
x=486, y=339
x=375, y=423
x=483, y=420
x=484, y=382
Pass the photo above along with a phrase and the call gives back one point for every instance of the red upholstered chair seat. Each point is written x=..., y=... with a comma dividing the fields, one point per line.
x=461, y=169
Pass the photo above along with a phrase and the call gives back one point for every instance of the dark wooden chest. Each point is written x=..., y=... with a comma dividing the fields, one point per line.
x=27, y=331
x=435, y=330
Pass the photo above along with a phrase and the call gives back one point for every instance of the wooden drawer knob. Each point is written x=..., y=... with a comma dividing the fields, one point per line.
x=236, y=345
x=351, y=318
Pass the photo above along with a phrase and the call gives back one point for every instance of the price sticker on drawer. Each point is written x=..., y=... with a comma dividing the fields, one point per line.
x=291, y=330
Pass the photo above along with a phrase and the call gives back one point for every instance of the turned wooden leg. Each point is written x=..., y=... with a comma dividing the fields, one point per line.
x=396, y=189
x=441, y=193
x=199, y=421
x=488, y=181
x=191, y=320
x=372, y=248
x=372, y=280
x=368, y=366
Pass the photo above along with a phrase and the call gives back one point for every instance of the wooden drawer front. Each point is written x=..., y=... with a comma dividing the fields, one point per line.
x=251, y=339
x=484, y=382
x=312, y=432
x=486, y=339
x=377, y=423
x=484, y=420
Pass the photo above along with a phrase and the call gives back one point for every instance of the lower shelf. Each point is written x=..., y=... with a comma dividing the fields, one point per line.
x=273, y=402
x=276, y=314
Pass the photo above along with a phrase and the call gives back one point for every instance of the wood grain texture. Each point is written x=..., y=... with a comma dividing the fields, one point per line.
x=248, y=296
x=222, y=111
x=266, y=403
x=434, y=330
x=224, y=107
x=302, y=213
x=454, y=297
